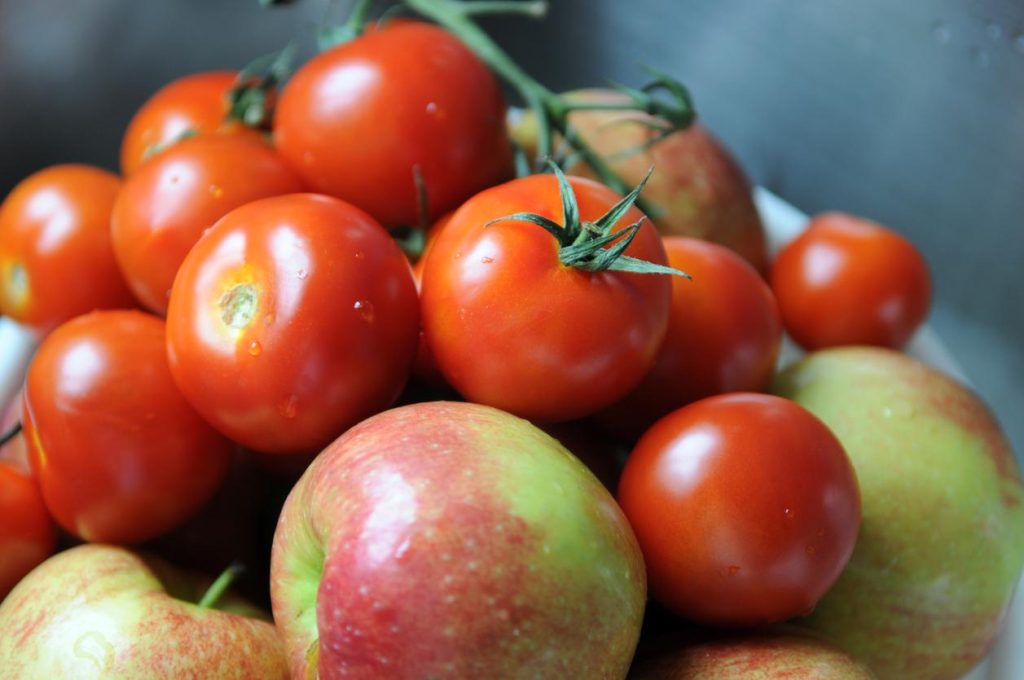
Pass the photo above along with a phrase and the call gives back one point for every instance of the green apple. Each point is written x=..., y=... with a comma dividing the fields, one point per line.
x=105, y=613
x=762, y=655
x=941, y=542
x=452, y=540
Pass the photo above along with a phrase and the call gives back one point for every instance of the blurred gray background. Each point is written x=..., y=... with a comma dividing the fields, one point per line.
x=910, y=113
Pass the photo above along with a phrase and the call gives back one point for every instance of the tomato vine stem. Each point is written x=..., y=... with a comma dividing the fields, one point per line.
x=552, y=110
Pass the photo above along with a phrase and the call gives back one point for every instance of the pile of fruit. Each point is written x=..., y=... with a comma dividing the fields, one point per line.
x=451, y=391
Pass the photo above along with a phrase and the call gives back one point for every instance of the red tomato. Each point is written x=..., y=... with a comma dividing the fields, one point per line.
x=292, y=319
x=194, y=104
x=27, y=534
x=166, y=205
x=745, y=506
x=724, y=332
x=56, y=259
x=119, y=455
x=849, y=281
x=510, y=326
x=359, y=119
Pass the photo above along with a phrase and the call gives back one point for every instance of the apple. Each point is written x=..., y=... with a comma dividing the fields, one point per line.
x=454, y=540
x=941, y=542
x=97, y=611
x=761, y=655
x=698, y=187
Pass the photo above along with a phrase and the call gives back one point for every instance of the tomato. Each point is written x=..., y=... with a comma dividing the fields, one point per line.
x=56, y=259
x=292, y=319
x=745, y=506
x=513, y=327
x=119, y=454
x=360, y=119
x=166, y=205
x=194, y=104
x=849, y=281
x=723, y=335
x=27, y=534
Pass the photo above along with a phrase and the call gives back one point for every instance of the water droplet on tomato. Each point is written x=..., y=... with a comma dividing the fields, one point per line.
x=288, y=406
x=302, y=273
x=458, y=254
x=365, y=309
x=733, y=570
x=486, y=260
x=255, y=348
x=810, y=550
x=216, y=191
x=360, y=255
x=788, y=512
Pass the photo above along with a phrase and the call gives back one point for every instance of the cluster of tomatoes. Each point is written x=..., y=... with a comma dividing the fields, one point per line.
x=253, y=296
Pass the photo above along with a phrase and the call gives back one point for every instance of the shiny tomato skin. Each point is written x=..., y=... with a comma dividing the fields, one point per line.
x=119, y=454
x=746, y=508
x=56, y=257
x=169, y=202
x=292, y=319
x=27, y=534
x=358, y=118
x=724, y=334
x=846, y=280
x=510, y=326
x=192, y=104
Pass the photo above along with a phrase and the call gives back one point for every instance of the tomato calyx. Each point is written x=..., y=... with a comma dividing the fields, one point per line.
x=581, y=244
x=238, y=305
x=251, y=98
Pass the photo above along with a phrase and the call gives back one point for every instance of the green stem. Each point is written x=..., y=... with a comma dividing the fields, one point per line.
x=356, y=22
x=535, y=9
x=552, y=110
x=216, y=590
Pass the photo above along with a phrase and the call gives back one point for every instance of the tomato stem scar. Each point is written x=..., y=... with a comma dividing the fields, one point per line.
x=239, y=305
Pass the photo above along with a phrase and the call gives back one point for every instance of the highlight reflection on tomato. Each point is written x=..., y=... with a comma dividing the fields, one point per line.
x=292, y=319
x=119, y=454
x=746, y=508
